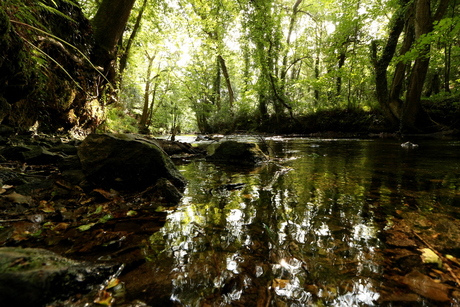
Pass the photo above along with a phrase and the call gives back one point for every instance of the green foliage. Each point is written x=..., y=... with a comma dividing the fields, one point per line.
x=118, y=121
x=284, y=62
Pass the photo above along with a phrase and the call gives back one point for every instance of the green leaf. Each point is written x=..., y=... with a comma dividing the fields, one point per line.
x=86, y=227
x=105, y=218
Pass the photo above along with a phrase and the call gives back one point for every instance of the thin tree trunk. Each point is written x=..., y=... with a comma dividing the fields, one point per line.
x=145, y=109
x=223, y=66
x=284, y=68
x=342, y=57
x=215, y=96
x=316, y=91
x=126, y=52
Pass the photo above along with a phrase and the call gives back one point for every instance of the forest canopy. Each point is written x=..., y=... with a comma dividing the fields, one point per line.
x=170, y=66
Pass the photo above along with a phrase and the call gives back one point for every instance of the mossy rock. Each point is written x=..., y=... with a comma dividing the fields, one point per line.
x=33, y=277
x=126, y=162
x=232, y=152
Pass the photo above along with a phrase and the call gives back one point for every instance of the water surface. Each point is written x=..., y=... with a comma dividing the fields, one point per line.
x=305, y=229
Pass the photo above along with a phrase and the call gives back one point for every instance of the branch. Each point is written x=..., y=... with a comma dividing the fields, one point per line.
x=440, y=256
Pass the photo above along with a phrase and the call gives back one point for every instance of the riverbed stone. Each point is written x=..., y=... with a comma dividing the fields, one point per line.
x=33, y=277
x=128, y=162
x=232, y=152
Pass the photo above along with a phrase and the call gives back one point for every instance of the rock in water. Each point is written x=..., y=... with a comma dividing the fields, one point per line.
x=32, y=277
x=127, y=162
x=238, y=153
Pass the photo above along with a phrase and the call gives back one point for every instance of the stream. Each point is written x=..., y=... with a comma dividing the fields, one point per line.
x=303, y=230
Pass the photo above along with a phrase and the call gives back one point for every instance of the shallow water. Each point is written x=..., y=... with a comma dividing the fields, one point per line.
x=304, y=229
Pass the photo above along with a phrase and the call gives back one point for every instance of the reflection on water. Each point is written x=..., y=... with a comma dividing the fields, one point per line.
x=302, y=231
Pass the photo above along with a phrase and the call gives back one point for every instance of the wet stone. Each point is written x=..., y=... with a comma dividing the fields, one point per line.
x=233, y=152
x=33, y=277
x=127, y=162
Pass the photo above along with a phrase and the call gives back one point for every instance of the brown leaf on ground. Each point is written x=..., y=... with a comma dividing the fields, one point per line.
x=18, y=198
x=426, y=287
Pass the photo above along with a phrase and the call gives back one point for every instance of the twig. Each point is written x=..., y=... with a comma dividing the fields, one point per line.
x=440, y=256
x=12, y=220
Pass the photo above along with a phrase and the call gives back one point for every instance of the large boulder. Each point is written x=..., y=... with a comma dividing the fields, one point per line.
x=128, y=162
x=233, y=152
x=33, y=277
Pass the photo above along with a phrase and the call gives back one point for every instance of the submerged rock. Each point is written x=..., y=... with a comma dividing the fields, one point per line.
x=409, y=145
x=34, y=277
x=128, y=162
x=233, y=152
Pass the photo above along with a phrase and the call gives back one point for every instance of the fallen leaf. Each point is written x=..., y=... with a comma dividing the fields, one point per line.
x=61, y=226
x=97, y=211
x=280, y=283
x=428, y=256
x=425, y=286
x=105, y=298
x=46, y=206
x=113, y=283
x=86, y=227
x=453, y=259
x=131, y=213
x=18, y=198
x=104, y=193
x=105, y=218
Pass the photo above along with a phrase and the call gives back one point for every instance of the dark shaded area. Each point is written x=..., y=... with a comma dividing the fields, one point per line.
x=47, y=201
x=45, y=73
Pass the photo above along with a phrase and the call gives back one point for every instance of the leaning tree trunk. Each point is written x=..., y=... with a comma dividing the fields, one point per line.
x=223, y=66
x=381, y=66
x=127, y=49
x=395, y=102
x=109, y=24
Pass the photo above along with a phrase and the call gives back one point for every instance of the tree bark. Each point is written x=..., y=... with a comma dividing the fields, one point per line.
x=223, y=66
x=341, y=61
x=215, y=95
x=109, y=24
x=381, y=65
x=284, y=68
x=145, y=110
x=125, y=55
x=414, y=118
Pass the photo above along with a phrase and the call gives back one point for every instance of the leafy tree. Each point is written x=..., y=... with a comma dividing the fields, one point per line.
x=416, y=20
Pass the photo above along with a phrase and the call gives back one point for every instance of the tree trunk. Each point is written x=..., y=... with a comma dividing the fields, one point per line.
x=125, y=55
x=215, y=95
x=223, y=66
x=109, y=24
x=145, y=110
x=381, y=65
x=316, y=91
x=284, y=68
x=414, y=118
x=342, y=57
x=395, y=103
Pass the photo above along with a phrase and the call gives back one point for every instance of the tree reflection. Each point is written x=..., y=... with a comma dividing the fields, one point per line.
x=303, y=231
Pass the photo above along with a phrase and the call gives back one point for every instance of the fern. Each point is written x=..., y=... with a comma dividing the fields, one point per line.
x=54, y=11
x=67, y=44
